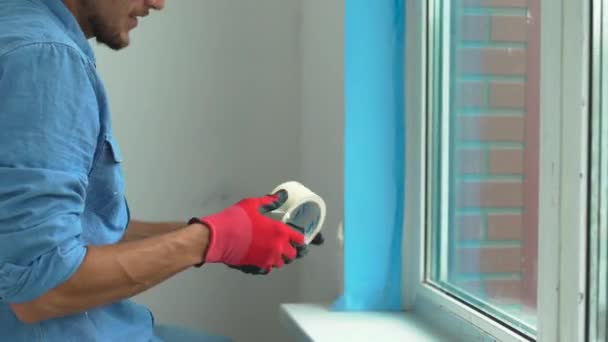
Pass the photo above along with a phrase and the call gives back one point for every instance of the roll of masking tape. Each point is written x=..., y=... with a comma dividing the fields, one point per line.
x=303, y=209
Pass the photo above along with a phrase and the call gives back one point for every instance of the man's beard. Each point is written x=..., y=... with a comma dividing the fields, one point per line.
x=105, y=35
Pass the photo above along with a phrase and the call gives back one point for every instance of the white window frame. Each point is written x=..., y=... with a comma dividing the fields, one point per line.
x=599, y=213
x=564, y=179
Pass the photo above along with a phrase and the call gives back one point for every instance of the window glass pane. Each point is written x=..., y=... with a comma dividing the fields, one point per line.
x=483, y=163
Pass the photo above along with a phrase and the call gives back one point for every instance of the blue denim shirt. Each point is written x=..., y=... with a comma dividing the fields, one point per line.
x=61, y=184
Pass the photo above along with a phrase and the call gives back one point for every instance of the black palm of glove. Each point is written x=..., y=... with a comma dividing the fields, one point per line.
x=301, y=250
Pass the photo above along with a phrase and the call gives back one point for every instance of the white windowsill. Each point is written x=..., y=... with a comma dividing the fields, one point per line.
x=314, y=322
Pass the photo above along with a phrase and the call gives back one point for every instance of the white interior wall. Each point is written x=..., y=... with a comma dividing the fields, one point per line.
x=322, y=137
x=206, y=108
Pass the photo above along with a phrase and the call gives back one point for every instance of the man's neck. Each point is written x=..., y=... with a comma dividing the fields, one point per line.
x=75, y=6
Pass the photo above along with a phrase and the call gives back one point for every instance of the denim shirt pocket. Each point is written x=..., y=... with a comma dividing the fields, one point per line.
x=112, y=144
x=110, y=169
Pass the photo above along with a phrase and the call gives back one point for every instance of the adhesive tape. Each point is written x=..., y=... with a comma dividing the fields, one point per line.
x=303, y=208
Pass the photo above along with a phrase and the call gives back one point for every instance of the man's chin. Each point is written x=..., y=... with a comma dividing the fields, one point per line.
x=116, y=42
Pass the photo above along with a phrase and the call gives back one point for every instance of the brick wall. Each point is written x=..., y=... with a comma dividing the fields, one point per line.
x=495, y=75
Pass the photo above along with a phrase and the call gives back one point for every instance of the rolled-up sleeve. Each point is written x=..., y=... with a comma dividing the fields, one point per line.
x=49, y=126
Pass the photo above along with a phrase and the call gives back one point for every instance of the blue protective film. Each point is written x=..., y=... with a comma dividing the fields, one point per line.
x=374, y=160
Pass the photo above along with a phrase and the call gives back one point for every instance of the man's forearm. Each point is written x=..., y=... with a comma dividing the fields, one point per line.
x=137, y=230
x=115, y=272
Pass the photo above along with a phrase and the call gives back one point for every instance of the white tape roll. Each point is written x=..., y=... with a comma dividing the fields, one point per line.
x=303, y=208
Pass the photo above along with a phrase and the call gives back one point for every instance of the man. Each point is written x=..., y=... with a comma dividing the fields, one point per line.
x=69, y=255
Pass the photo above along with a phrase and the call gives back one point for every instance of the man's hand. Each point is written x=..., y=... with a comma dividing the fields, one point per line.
x=301, y=250
x=243, y=237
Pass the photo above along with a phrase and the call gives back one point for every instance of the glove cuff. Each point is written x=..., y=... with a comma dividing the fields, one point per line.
x=214, y=253
x=230, y=236
x=196, y=220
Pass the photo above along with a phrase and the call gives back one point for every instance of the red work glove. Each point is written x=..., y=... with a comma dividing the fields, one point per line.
x=241, y=235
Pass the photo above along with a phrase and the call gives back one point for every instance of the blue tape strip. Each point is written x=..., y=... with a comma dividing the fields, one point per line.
x=374, y=160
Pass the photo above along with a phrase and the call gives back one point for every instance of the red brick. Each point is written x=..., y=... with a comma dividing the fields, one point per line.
x=470, y=227
x=473, y=28
x=496, y=3
x=505, y=226
x=493, y=61
x=489, y=260
x=510, y=28
x=490, y=194
x=507, y=94
x=504, y=291
x=492, y=128
x=506, y=161
x=471, y=161
x=471, y=94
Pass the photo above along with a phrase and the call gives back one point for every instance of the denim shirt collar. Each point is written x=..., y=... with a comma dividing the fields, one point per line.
x=67, y=19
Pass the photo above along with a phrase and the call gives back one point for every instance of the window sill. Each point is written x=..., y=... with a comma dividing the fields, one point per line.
x=315, y=322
